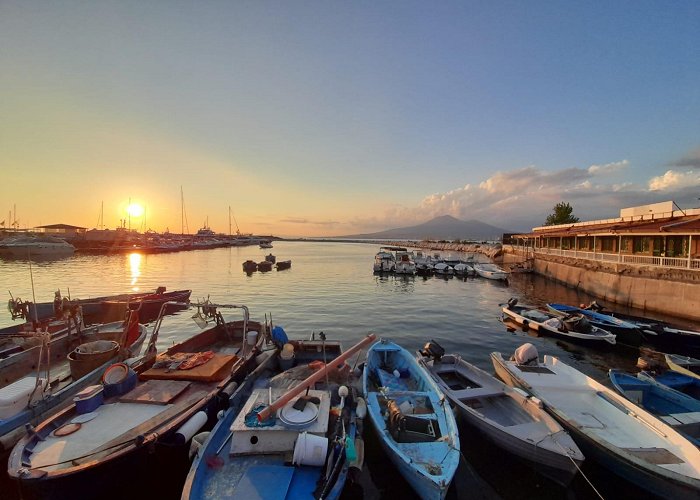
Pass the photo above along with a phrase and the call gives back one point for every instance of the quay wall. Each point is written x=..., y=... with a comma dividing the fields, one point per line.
x=674, y=292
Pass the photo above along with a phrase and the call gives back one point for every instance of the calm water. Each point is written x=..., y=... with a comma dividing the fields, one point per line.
x=331, y=288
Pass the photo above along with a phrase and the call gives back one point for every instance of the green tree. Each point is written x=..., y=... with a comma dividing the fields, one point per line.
x=561, y=214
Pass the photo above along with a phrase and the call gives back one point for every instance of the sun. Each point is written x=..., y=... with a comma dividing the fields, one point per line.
x=135, y=210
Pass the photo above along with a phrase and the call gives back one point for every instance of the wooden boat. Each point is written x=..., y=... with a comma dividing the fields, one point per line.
x=683, y=364
x=99, y=309
x=677, y=381
x=416, y=427
x=141, y=433
x=264, y=266
x=491, y=271
x=572, y=329
x=244, y=459
x=507, y=416
x=625, y=332
x=623, y=437
x=675, y=408
x=250, y=266
x=283, y=264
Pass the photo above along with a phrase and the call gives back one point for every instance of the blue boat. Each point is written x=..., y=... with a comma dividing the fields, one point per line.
x=625, y=332
x=413, y=419
x=675, y=408
x=297, y=453
x=678, y=381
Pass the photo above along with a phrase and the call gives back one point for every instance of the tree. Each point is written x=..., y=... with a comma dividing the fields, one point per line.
x=561, y=214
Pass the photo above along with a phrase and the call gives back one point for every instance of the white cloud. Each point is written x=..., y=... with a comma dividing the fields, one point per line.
x=608, y=167
x=672, y=180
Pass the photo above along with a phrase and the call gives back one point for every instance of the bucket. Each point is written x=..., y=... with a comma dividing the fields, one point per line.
x=252, y=338
x=310, y=449
x=287, y=357
x=118, y=379
x=86, y=357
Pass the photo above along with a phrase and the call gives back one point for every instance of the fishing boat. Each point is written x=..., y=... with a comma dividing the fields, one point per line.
x=678, y=410
x=264, y=266
x=250, y=266
x=505, y=415
x=443, y=269
x=405, y=264
x=385, y=260
x=625, y=332
x=283, y=264
x=265, y=244
x=463, y=269
x=491, y=271
x=306, y=445
x=573, y=328
x=623, y=437
x=683, y=364
x=98, y=309
x=140, y=430
x=414, y=422
x=678, y=381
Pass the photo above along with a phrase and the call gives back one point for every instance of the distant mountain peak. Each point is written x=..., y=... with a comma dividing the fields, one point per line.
x=441, y=228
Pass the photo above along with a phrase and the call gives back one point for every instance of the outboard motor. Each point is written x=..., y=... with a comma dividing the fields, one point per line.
x=526, y=354
x=511, y=302
x=433, y=350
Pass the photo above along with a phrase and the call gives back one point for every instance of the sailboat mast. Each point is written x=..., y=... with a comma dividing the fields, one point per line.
x=182, y=212
x=229, y=221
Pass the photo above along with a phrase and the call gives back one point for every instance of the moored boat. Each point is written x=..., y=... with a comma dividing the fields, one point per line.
x=678, y=410
x=683, y=364
x=678, y=381
x=140, y=431
x=250, y=266
x=491, y=271
x=574, y=329
x=416, y=427
x=620, y=435
x=625, y=332
x=507, y=416
x=283, y=264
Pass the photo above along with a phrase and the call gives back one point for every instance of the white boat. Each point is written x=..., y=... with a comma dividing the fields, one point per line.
x=505, y=415
x=623, y=437
x=463, y=269
x=683, y=364
x=404, y=264
x=265, y=244
x=23, y=246
x=384, y=262
x=443, y=269
x=491, y=271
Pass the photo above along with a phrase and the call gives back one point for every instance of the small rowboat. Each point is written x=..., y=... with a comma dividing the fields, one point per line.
x=415, y=424
x=491, y=271
x=684, y=364
x=625, y=332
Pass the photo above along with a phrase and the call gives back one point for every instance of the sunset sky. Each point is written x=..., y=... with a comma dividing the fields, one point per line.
x=319, y=118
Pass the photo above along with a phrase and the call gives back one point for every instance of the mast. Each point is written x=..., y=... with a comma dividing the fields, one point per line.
x=182, y=212
x=229, y=221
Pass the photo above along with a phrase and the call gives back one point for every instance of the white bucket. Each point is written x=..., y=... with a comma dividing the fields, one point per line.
x=310, y=449
x=252, y=338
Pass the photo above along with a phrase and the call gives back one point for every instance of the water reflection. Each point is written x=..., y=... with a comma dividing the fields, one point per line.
x=135, y=267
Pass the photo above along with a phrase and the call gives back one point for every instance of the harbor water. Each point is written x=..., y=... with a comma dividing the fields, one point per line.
x=331, y=288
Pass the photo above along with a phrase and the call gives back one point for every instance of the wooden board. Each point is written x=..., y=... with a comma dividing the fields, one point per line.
x=214, y=370
x=160, y=392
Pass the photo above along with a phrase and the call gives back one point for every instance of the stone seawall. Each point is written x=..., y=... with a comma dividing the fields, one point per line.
x=494, y=251
x=670, y=291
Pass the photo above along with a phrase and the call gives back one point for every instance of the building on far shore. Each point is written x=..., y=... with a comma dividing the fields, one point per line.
x=648, y=235
x=64, y=231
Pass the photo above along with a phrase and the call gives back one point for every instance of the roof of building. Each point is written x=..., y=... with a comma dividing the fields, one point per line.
x=689, y=224
x=59, y=226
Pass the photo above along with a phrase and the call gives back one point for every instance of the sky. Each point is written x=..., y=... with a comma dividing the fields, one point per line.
x=326, y=118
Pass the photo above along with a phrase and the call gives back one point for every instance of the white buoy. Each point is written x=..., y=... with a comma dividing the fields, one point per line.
x=343, y=393
x=191, y=427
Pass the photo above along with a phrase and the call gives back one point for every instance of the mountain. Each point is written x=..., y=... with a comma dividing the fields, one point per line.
x=444, y=227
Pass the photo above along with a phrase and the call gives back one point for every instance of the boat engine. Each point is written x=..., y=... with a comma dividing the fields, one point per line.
x=512, y=302
x=433, y=350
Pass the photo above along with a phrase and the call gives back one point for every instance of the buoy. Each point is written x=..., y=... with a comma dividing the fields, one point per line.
x=191, y=427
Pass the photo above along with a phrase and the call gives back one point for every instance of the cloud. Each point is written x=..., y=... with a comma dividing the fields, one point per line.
x=692, y=160
x=299, y=220
x=674, y=180
x=608, y=167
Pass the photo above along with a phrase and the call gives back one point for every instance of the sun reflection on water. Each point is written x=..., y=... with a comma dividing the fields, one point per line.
x=135, y=266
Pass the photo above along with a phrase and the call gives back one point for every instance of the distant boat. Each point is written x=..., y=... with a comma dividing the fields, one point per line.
x=415, y=425
x=491, y=271
x=624, y=438
x=678, y=410
x=32, y=246
x=404, y=264
x=264, y=266
x=250, y=266
x=265, y=244
x=574, y=329
x=283, y=264
x=506, y=416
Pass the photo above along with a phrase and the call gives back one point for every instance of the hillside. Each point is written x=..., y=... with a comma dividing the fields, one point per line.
x=444, y=227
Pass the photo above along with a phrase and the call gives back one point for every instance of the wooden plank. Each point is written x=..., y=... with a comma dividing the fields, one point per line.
x=160, y=392
x=214, y=370
x=145, y=428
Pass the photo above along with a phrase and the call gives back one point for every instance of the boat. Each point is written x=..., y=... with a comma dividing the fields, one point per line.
x=98, y=309
x=424, y=263
x=415, y=424
x=491, y=271
x=283, y=264
x=463, y=269
x=621, y=436
x=250, y=266
x=507, y=416
x=678, y=410
x=42, y=378
x=683, y=364
x=404, y=264
x=271, y=258
x=264, y=266
x=625, y=332
x=295, y=453
x=385, y=260
x=443, y=269
x=677, y=381
x=35, y=246
x=660, y=333
x=141, y=431
x=575, y=328
x=265, y=244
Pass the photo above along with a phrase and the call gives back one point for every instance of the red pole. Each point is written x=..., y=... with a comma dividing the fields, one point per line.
x=312, y=379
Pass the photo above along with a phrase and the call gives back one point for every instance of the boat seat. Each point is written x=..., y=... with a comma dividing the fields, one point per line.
x=15, y=397
x=480, y=392
x=690, y=417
